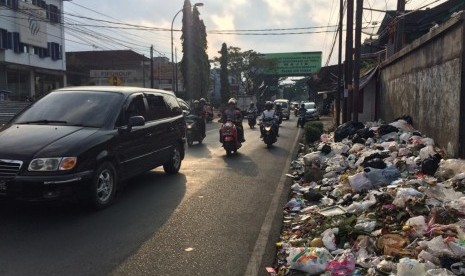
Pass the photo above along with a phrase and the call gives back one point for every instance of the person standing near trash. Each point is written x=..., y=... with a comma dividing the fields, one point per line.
x=269, y=114
x=234, y=114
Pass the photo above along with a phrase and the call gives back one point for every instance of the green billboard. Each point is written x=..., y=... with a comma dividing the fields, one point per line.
x=293, y=64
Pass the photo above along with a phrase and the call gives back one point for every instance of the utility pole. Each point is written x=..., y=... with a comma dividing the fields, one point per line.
x=143, y=70
x=358, y=45
x=348, y=63
x=176, y=70
x=399, y=40
x=151, y=66
x=339, y=89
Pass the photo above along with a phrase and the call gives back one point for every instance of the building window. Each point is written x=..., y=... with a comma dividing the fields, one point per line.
x=53, y=14
x=3, y=39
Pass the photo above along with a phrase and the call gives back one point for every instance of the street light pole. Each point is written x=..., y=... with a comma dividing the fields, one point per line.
x=172, y=54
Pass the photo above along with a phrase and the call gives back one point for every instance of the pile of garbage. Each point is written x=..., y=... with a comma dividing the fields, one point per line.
x=374, y=199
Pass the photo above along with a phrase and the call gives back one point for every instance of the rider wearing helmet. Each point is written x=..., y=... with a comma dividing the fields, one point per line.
x=197, y=110
x=269, y=114
x=234, y=114
x=252, y=109
x=302, y=111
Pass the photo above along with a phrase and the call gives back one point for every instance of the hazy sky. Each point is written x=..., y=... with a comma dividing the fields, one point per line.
x=303, y=23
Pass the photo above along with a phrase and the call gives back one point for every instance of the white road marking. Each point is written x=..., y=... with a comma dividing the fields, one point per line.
x=262, y=240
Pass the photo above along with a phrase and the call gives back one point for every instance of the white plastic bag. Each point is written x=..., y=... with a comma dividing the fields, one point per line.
x=329, y=238
x=410, y=267
x=404, y=194
x=418, y=225
x=312, y=260
x=448, y=168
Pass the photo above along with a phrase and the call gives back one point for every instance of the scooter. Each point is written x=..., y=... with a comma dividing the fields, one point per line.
x=279, y=113
x=193, y=132
x=228, y=137
x=252, y=119
x=301, y=121
x=269, y=133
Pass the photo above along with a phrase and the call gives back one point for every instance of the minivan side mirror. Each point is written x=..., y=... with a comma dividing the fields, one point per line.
x=132, y=122
x=136, y=121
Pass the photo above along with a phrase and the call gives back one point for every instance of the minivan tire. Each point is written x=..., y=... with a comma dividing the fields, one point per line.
x=173, y=166
x=103, y=186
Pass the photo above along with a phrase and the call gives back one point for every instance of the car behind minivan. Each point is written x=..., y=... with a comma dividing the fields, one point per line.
x=285, y=107
x=84, y=141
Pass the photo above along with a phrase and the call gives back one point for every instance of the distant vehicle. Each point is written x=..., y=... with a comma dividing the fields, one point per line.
x=243, y=102
x=285, y=107
x=312, y=111
x=85, y=141
x=184, y=106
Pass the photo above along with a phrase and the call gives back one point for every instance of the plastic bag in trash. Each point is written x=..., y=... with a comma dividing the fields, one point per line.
x=404, y=194
x=430, y=165
x=458, y=205
x=329, y=238
x=342, y=265
x=448, y=168
x=416, y=226
x=312, y=260
x=347, y=129
x=385, y=129
x=382, y=177
x=439, y=272
x=359, y=207
x=312, y=159
x=359, y=182
x=426, y=152
x=410, y=267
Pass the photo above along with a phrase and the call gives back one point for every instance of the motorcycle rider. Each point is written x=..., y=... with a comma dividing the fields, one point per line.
x=302, y=110
x=234, y=114
x=252, y=109
x=269, y=113
x=197, y=110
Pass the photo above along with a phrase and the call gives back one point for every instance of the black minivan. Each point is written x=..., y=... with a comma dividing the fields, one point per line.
x=87, y=140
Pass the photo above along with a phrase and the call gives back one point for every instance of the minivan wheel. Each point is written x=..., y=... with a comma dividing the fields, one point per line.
x=103, y=186
x=173, y=166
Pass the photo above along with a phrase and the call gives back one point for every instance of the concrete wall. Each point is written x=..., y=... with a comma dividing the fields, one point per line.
x=424, y=80
x=369, y=99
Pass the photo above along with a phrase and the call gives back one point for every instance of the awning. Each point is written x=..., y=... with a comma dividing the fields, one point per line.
x=364, y=80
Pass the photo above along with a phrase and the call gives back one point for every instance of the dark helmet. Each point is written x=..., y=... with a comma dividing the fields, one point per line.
x=202, y=100
x=251, y=104
x=302, y=105
x=268, y=105
x=196, y=102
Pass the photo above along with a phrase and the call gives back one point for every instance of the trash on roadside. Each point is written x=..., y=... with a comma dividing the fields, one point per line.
x=374, y=199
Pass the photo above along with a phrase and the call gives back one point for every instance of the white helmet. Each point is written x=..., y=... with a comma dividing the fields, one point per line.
x=232, y=101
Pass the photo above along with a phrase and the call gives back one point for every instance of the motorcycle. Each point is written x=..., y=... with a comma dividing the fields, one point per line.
x=209, y=117
x=269, y=134
x=252, y=119
x=279, y=113
x=228, y=137
x=193, y=132
x=301, y=121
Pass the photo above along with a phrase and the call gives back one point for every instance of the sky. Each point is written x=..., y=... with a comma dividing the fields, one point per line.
x=265, y=26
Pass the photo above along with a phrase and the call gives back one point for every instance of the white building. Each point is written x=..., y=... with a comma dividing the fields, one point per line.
x=32, y=47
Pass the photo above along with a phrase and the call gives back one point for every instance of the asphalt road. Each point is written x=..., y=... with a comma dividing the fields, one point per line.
x=219, y=216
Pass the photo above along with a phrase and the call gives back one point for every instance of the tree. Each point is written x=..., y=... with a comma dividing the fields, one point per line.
x=224, y=74
x=195, y=66
x=247, y=68
x=201, y=83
